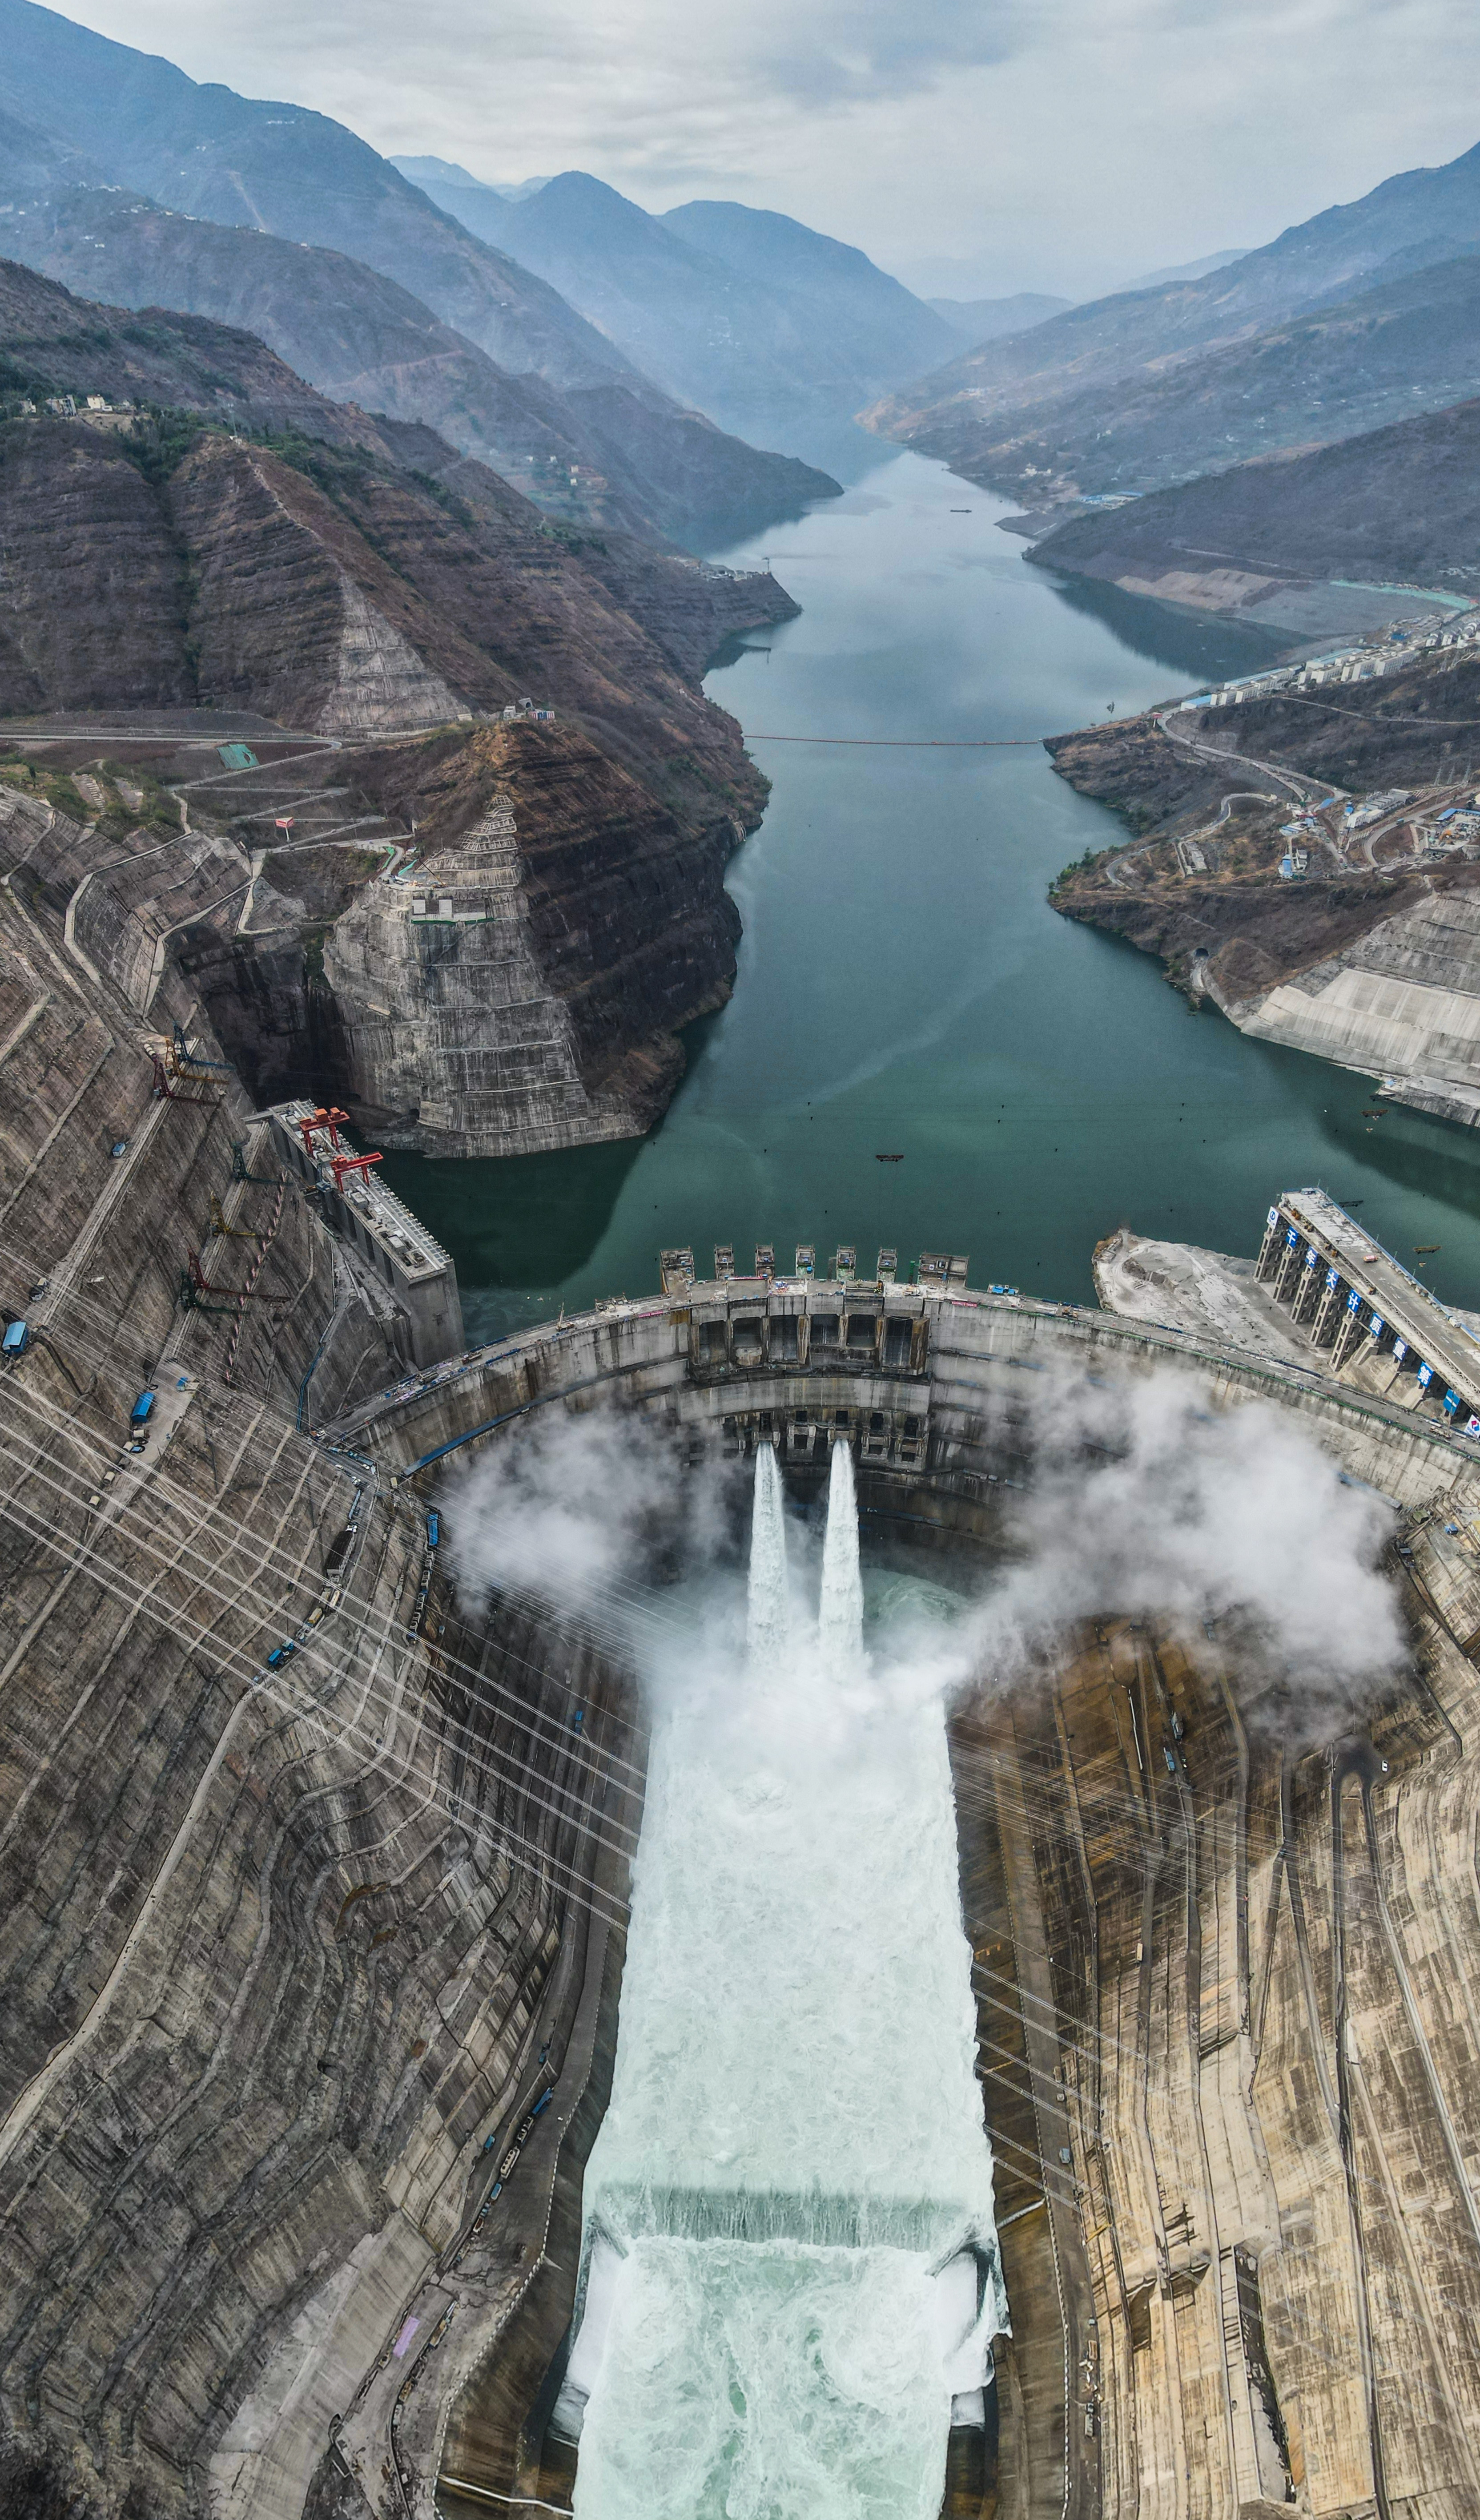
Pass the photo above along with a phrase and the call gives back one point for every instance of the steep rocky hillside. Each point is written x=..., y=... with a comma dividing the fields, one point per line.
x=53, y=344
x=280, y=1950
x=1397, y=504
x=531, y=598
x=162, y=558
x=1006, y=389
x=610, y=457
x=740, y=311
x=1409, y=346
x=1370, y=954
x=279, y=167
x=992, y=319
x=297, y=175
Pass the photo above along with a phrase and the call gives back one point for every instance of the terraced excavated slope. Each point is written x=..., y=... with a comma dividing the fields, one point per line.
x=1371, y=958
x=381, y=586
x=279, y=1950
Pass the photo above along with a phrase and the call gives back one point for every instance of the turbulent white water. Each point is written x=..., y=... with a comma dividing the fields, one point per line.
x=795, y=2144
x=768, y=1604
x=840, y=1611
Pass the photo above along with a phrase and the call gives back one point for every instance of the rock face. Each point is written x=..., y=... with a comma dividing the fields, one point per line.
x=280, y=1950
x=291, y=615
x=375, y=590
x=631, y=463
x=521, y=988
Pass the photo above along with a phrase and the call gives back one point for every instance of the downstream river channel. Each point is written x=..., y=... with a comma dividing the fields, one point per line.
x=904, y=989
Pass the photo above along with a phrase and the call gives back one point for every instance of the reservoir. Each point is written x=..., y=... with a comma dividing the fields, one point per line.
x=904, y=988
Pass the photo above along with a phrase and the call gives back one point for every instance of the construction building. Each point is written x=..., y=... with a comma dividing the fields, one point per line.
x=1369, y=1318
x=376, y=1226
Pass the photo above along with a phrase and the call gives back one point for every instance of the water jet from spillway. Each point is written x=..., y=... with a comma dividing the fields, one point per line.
x=840, y=1614
x=767, y=1603
x=789, y=2264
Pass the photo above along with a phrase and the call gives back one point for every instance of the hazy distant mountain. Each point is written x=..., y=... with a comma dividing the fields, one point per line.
x=977, y=400
x=990, y=319
x=297, y=174
x=740, y=311
x=1186, y=270
x=360, y=339
x=1412, y=345
x=1399, y=503
x=444, y=170
x=251, y=169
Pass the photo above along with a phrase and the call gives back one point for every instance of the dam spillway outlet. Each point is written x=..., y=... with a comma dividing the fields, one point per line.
x=790, y=2282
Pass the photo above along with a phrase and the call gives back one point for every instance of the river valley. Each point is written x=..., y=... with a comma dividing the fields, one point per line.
x=905, y=990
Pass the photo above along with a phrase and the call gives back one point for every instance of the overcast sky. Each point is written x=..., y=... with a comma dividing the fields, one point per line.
x=1042, y=143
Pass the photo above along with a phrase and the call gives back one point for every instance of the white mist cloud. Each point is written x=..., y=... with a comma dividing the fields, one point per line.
x=1146, y=1500
x=586, y=1510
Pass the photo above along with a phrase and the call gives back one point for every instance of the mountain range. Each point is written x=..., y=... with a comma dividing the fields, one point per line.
x=512, y=370
x=742, y=311
x=1397, y=505
x=1034, y=406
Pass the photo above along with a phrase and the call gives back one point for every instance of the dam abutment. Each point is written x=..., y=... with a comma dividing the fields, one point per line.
x=1128, y=1894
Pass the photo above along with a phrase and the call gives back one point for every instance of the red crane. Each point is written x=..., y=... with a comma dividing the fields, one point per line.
x=340, y=1165
x=324, y=1122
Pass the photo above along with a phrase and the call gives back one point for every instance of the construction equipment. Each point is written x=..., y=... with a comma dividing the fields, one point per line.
x=326, y=1121
x=342, y=1165
x=218, y=1224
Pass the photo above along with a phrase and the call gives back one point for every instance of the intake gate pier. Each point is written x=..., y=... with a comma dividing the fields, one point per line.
x=1228, y=1972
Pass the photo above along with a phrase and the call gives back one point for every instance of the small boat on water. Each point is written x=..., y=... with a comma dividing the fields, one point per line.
x=888, y=1159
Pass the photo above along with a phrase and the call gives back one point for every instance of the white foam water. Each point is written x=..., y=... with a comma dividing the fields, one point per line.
x=768, y=1605
x=840, y=1611
x=795, y=2148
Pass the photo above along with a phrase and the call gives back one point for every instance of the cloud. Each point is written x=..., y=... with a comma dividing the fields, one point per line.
x=1059, y=143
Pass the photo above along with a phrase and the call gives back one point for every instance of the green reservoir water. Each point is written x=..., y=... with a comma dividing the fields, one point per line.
x=904, y=989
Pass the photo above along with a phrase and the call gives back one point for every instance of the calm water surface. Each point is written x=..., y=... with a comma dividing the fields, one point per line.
x=904, y=989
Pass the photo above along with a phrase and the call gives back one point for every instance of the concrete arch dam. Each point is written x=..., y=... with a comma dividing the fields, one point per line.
x=1224, y=1938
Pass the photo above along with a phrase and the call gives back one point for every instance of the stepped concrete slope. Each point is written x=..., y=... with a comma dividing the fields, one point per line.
x=1367, y=950
x=983, y=410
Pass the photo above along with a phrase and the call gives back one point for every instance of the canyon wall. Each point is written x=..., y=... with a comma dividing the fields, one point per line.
x=279, y=1945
